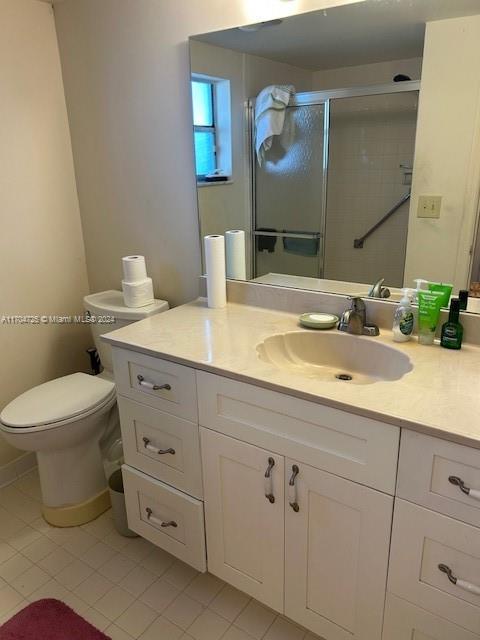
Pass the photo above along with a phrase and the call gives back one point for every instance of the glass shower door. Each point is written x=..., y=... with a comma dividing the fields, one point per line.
x=289, y=197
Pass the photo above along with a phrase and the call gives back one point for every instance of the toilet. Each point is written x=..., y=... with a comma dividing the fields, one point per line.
x=71, y=421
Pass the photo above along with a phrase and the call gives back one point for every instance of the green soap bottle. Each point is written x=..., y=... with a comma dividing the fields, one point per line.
x=452, y=331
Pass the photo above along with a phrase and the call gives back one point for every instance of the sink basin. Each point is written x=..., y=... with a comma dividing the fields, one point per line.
x=334, y=356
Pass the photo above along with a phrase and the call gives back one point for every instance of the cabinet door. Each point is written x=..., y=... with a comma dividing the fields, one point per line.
x=245, y=529
x=337, y=538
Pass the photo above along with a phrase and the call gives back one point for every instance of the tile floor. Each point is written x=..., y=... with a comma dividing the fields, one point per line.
x=126, y=587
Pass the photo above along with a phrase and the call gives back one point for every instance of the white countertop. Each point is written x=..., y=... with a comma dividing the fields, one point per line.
x=440, y=396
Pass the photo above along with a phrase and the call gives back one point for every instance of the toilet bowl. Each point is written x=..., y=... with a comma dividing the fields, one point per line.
x=68, y=422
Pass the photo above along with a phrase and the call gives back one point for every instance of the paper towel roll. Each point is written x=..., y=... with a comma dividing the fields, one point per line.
x=235, y=254
x=134, y=269
x=215, y=267
x=138, y=294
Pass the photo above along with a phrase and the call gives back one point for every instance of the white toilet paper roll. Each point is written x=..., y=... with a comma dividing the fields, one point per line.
x=235, y=254
x=134, y=268
x=215, y=267
x=138, y=294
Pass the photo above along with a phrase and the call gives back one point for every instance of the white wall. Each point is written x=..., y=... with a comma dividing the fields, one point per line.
x=260, y=72
x=42, y=262
x=447, y=152
x=126, y=74
x=225, y=206
x=374, y=73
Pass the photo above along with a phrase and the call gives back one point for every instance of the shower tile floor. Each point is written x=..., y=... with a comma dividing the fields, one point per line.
x=126, y=587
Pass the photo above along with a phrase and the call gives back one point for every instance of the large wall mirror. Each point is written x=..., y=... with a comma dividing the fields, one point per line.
x=345, y=143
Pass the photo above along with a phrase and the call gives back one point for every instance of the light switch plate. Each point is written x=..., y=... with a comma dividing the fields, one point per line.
x=429, y=206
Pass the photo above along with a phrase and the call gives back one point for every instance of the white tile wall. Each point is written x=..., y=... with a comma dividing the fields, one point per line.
x=370, y=137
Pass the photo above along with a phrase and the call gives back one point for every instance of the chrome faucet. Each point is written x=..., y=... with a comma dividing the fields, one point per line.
x=378, y=290
x=354, y=320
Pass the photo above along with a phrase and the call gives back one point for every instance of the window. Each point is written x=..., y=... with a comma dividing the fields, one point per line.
x=212, y=126
x=203, y=96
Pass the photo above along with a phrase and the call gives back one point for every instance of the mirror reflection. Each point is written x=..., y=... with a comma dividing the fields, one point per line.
x=343, y=144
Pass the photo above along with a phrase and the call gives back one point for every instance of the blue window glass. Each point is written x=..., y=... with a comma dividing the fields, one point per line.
x=202, y=96
x=204, y=127
x=204, y=152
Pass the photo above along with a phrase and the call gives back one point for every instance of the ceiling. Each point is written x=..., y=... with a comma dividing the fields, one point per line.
x=354, y=34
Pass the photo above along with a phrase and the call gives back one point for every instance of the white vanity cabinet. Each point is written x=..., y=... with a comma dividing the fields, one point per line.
x=292, y=502
x=434, y=573
x=347, y=445
x=162, y=474
x=303, y=540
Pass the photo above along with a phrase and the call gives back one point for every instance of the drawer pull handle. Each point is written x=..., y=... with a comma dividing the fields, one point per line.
x=292, y=489
x=461, y=584
x=473, y=493
x=150, y=385
x=269, y=481
x=160, y=452
x=160, y=523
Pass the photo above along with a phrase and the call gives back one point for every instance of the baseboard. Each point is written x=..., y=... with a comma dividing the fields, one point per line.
x=17, y=468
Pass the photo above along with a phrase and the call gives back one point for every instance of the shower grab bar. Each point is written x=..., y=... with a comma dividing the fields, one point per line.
x=359, y=242
x=288, y=234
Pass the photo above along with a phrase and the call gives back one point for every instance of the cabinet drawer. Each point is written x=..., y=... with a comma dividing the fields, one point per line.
x=136, y=375
x=162, y=445
x=425, y=466
x=347, y=445
x=405, y=621
x=167, y=517
x=421, y=541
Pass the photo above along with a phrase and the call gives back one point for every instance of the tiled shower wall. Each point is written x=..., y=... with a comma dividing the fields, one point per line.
x=370, y=137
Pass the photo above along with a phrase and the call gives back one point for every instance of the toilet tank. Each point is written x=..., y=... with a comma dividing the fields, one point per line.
x=110, y=304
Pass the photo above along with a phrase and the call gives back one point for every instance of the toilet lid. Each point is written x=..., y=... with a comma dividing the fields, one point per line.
x=57, y=400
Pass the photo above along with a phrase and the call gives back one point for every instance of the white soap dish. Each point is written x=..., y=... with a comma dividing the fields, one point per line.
x=318, y=320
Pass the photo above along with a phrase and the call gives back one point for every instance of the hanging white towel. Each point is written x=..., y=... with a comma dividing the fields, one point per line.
x=270, y=107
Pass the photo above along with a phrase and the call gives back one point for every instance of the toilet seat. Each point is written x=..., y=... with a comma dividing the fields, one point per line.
x=58, y=402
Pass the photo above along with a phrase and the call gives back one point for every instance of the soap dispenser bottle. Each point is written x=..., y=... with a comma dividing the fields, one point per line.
x=403, y=319
x=452, y=330
x=419, y=286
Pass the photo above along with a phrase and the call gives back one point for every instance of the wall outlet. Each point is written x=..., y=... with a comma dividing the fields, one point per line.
x=429, y=206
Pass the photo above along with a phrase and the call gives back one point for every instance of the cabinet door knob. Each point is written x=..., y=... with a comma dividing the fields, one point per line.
x=151, y=385
x=292, y=489
x=473, y=493
x=269, y=481
x=160, y=523
x=461, y=584
x=160, y=452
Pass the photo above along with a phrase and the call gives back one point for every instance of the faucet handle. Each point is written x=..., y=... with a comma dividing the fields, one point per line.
x=377, y=290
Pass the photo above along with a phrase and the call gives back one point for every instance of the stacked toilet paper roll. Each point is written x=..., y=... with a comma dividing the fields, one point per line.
x=235, y=254
x=215, y=267
x=137, y=287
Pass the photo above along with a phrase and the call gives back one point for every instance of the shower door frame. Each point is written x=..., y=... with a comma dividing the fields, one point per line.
x=307, y=99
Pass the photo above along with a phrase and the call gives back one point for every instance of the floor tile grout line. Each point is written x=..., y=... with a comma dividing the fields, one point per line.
x=99, y=536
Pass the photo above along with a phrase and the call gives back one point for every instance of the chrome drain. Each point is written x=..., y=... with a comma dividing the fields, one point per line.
x=344, y=376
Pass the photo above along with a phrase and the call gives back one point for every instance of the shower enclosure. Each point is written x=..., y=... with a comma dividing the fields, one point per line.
x=331, y=197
